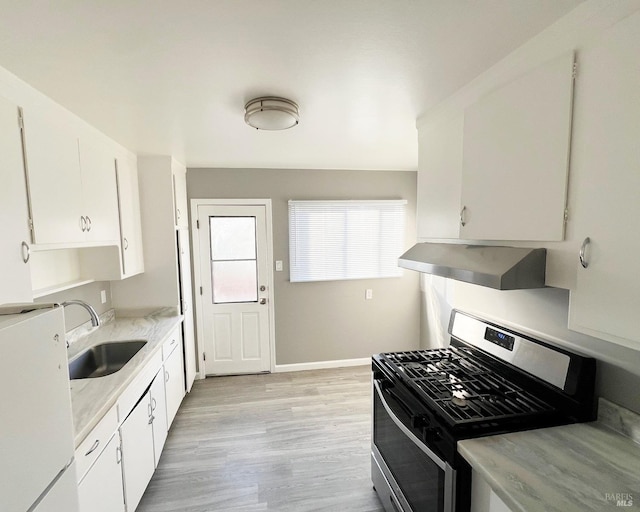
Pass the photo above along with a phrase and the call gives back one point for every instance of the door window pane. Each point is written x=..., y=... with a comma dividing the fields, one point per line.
x=234, y=281
x=233, y=238
x=233, y=259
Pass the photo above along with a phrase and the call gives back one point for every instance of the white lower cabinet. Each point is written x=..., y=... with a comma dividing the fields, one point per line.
x=483, y=498
x=174, y=379
x=138, y=458
x=101, y=488
x=159, y=414
x=114, y=474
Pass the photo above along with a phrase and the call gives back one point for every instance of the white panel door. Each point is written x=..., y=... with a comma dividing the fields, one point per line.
x=235, y=298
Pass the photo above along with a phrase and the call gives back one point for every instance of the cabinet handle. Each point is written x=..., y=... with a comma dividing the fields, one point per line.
x=93, y=448
x=463, y=222
x=83, y=223
x=88, y=223
x=153, y=404
x=166, y=376
x=126, y=244
x=26, y=252
x=118, y=455
x=178, y=213
x=583, y=250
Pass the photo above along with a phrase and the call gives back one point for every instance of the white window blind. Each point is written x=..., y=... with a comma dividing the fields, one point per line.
x=333, y=240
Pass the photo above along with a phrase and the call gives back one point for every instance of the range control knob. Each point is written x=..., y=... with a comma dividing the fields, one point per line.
x=432, y=434
x=420, y=421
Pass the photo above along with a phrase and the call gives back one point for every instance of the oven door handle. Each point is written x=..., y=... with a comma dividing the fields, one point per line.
x=437, y=460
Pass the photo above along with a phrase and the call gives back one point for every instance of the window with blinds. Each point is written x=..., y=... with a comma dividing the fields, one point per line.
x=334, y=240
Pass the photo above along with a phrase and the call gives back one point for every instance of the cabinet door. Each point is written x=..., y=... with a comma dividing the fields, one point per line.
x=180, y=195
x=606, y=177
x=55, y=187
x=516, y=156
x=188, y=336
x=129, y=209
x=138, y=458
x=174, y=382
x=14, y=215
x=159, y=411
x=99, y=192
x=101, y=489
x=439, y=179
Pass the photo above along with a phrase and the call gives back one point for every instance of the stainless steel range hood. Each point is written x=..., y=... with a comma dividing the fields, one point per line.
x=499, y=267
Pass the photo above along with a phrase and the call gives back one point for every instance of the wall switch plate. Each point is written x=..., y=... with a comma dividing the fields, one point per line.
x=368, y=294
x=279, y=266
x=103, y=296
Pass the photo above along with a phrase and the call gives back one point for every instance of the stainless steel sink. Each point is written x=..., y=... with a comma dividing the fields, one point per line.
x=103, y=359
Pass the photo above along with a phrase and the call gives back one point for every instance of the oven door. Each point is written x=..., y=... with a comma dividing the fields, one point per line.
x=413, y=478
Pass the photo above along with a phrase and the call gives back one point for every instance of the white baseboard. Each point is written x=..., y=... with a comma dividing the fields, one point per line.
x=321, y=365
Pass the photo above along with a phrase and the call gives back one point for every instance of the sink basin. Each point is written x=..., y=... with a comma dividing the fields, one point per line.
x=103, y=359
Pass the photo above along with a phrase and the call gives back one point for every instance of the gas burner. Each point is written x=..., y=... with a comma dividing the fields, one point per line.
x=460, y=401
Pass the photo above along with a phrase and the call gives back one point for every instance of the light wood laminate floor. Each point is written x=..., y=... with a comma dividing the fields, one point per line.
x=287, y=442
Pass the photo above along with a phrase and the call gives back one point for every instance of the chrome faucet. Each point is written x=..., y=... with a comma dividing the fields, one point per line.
x=95, y=321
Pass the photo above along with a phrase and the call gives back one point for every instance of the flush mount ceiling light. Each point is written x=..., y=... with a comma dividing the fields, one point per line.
x=271, y=113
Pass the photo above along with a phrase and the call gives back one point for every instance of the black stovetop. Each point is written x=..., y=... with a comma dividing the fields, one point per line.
x=462, y=388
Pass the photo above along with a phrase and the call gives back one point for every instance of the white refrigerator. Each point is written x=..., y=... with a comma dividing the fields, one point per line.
x=37, y=473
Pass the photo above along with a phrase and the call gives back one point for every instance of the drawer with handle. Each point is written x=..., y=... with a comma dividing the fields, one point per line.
x=89, y=450
x=171, y=343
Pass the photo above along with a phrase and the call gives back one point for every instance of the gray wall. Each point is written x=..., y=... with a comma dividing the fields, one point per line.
x=327, y=321
x=544, y=312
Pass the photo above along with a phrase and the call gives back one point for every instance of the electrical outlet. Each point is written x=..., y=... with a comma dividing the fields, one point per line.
x=103, y=296
x=368, y=294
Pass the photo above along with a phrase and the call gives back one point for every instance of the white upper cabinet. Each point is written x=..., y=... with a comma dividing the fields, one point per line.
x=72, y=182
x=14, y=214
x=99, y=193
x=606, y=185
x=440, y=178
x=55, y=186
x=516, y=157
x=129, y=209
x=498, y=171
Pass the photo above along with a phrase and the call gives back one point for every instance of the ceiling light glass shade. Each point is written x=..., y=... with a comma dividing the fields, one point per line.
x=271, y=113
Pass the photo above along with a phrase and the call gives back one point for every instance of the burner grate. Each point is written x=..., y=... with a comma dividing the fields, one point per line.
x=463, y=388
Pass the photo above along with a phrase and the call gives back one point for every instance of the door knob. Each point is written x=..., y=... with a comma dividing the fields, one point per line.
x=263, y=301
x=263, y=288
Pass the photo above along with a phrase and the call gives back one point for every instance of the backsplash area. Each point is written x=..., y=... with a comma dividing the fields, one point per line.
x=618, y=418
x=91, y=293
x=542, y=313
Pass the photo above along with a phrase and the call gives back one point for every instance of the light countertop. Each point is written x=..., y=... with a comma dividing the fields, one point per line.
x=92, y=398
x=581, y=467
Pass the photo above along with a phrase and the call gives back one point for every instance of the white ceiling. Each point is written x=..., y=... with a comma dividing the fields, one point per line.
x=172, y=77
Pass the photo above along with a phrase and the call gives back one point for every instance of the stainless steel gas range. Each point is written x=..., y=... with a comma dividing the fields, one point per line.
x=490, y=380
